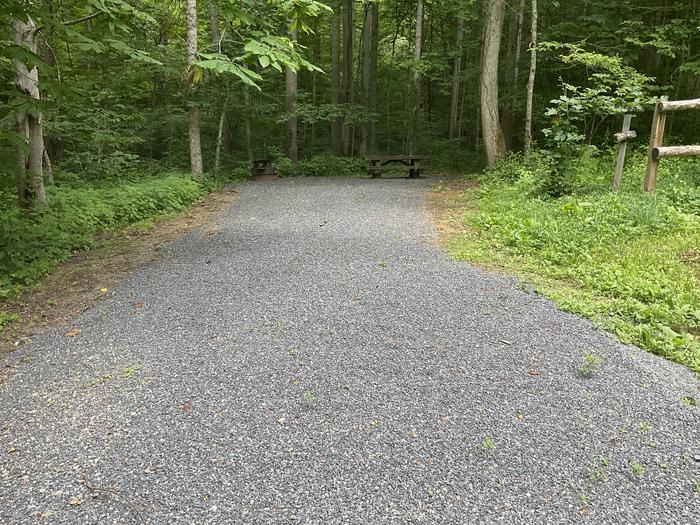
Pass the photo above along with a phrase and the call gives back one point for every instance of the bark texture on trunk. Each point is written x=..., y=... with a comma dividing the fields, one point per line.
x=292, y=85
x=337, y=124
x=368, y=79
x=196, y=164
x=248, y=125
x=494, y=144
x=374, y=60
x=417, y=54
x=220, y=136
x=456, y=76
x=348, y=62
x=531, y=81
x=29, y=125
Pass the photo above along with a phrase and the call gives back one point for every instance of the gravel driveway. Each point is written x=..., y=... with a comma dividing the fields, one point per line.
x=316, y=358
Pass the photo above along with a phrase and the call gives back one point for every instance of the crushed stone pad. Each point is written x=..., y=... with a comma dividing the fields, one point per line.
x=318, y=359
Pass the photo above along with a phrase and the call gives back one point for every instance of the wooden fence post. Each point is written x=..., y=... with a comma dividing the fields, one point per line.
x=622, y=138
x=656, y=140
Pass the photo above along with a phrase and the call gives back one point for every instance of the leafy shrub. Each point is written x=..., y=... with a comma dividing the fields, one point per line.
x=322, y=166
x=32, y=242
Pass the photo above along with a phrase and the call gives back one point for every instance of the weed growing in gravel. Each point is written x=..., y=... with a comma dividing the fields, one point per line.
x=644, y=426
x=596, y=475
x=309, y=396
x=697, y=487
x=637, y=469
x=383, y=264
x=590, y=366
x=130, y=370
x=488, y=444
x=689, y=401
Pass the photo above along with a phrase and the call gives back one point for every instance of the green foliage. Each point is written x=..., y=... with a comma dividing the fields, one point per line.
x=629, y=261
x=33, y=242
x=322, y=166
x=590, y=366
x=611, y=88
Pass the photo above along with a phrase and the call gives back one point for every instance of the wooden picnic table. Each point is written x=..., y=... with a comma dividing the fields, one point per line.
x=380, y=163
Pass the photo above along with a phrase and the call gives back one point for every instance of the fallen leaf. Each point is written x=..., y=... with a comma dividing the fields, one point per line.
x=12, y=450
x=521, y=417
x=186, y=407
x=72, y=332
x=104, y=290
x=137, y=305
x=534, y=372
x=75, y=501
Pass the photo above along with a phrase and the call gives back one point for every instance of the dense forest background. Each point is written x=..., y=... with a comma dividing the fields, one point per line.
x=115, y=96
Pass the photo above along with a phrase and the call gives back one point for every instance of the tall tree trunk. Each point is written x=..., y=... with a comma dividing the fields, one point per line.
x=348, y=62
x=456, y=76
x=48, y=167
x=494, y=144
x=515, y=35
x=417, y=54
x=531, y=81
x=337, y=124
x=220, y=137
x=367, y=38
x=29, y=124
x=317, y=46
x=226, y=138
x=196, y=165
x=248, y=125
x=292, y=81
x=374, y=59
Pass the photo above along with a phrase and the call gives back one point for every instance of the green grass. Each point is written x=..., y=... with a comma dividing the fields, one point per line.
x=628, y=261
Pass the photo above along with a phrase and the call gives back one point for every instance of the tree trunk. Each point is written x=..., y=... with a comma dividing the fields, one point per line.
x=417, y=54
x=196, y=164
x=374, y=59
x=248, y=125
x=367, y=39
x=292, y=82
x=515, y=35
x=317, y=46
x=456, y=75
x=220, y=137
x=28, y=124
x=337, y=124
x=531, y=81
x=494, y=145
x=48, y=167
x=226, y=138
x=348, y=62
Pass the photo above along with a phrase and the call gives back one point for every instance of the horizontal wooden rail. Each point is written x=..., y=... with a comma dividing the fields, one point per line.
x=657, y=150
x=625, y=136
x=679, y=105
x=675, y=151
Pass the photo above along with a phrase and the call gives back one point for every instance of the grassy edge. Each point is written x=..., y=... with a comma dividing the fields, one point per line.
x=469, y=246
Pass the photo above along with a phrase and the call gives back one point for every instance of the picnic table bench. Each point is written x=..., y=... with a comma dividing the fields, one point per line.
x=411, y=163
x=263, y=168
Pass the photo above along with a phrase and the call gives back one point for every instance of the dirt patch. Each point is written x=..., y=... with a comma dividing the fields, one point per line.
x=89, y=277
x=446, y=203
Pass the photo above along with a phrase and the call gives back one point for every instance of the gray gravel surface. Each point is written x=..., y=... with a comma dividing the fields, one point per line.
x=321, y=360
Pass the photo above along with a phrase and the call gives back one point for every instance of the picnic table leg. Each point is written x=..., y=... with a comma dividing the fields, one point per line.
x=413, y=173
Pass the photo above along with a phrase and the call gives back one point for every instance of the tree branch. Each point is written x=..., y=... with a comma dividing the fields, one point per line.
x=83, y=19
